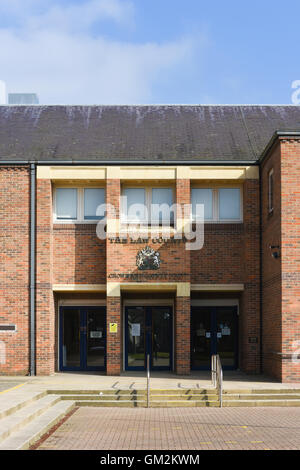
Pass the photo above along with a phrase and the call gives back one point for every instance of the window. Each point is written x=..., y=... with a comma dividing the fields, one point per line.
x=220, y=204
x=66, y=203
x=78, y=204
x=203, y=196
x=148, y=205
x=271, y=191
x=135, y=205
x=93, y=197
x=229, y=204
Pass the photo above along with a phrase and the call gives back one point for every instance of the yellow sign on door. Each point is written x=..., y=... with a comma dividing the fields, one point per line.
x=113, y=327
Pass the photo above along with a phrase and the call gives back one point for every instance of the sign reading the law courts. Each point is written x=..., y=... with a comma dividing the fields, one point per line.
x=113, y=327
x=125, y=240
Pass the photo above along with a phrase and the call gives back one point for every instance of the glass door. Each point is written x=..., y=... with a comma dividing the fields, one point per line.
x=214, y=330
x=95, y=338
x=148, y=330
x=82, y=338
x=227, y=336
x=70, y=339
x=135, y=338
x=201, y=338
x=161, y=338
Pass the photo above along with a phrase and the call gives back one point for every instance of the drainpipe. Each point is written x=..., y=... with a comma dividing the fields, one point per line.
x=32, y=264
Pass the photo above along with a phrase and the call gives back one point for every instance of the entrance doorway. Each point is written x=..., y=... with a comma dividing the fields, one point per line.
x=214, y=330
x=82, y=338
x=148, y=330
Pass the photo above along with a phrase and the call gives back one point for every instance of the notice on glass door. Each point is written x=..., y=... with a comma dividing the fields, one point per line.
x=95, y=334
x=136, y=329
x=226, y=331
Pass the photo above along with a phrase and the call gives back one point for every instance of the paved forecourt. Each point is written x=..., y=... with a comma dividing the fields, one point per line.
x=177, y=429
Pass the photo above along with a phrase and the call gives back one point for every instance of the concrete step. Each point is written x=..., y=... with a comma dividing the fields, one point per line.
x=21, y=417
x=259, y=396
x=118, y=398
x=262, y=403
x=141, y=392
x=293, y=391
x=29, y=434
x=143, y=404
x=19, y=402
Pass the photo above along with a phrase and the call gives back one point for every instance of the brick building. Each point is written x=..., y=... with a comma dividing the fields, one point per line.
x=71, y=299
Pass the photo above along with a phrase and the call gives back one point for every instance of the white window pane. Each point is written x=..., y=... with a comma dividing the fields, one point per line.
x=229, y=204
x=162, y=200
x=66, y=203
x=205, y=197
x=135, y=201
x=93, y=197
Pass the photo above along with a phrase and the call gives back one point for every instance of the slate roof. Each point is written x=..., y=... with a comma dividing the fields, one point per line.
x=141, y=133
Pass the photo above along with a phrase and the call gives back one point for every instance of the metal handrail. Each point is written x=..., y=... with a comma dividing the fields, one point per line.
x=217, y=376
x=148, y=380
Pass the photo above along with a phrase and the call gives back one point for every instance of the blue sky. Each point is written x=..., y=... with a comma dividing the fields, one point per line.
x=151, y=51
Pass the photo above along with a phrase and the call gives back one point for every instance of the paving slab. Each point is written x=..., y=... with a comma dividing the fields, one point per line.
x=6, y=385
x=177, y=429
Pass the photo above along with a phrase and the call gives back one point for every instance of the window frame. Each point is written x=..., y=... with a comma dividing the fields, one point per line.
x=271, y=191
x=80, y=204
x=148, y=201
x=215, y=203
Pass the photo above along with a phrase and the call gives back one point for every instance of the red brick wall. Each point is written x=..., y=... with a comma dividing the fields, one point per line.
x=249, y=320
x=182, y=335
x=271, y=268
x=78, y=255
x=114, y=344
x=281, y=277
x=221, y=258
x=14, y=267
x=290, y=258
x=45, y=314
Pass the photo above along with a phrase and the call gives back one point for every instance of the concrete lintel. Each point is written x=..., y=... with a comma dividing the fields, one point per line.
x=182, y=289
x=218, y=287
x=79, y=287
x=144, y=173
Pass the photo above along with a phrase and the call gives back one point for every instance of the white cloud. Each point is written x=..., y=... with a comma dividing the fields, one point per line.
x=82, y=16
x=54, y=15
x=68, y=65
